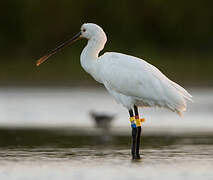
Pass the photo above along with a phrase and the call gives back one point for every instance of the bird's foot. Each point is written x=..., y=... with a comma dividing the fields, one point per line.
x=136, y=156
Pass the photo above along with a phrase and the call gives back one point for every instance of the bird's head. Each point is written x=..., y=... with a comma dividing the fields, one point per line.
x=89, y=31
x=92, y=31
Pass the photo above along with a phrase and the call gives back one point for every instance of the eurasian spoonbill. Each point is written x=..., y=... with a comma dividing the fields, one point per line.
x=130, y=80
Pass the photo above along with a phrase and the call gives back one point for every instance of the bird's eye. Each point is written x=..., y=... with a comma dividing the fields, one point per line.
x=84, y=30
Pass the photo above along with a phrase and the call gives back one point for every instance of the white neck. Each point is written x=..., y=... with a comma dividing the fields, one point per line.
x=89, y=55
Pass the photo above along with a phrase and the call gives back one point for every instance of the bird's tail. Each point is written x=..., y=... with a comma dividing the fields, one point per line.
x=184, y=96
x=183, y=92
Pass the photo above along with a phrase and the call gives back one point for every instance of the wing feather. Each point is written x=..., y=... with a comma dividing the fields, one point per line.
x=135, y=77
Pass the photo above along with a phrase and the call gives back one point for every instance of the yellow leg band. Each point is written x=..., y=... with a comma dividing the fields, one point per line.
x=138, y=122
x=142, y=120
x=132, y=119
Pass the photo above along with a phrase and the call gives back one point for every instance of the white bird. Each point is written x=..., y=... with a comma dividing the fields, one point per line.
x=130, y=80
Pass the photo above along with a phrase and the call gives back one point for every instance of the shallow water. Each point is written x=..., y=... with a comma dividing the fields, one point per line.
x=55, y=154
x=47, y=133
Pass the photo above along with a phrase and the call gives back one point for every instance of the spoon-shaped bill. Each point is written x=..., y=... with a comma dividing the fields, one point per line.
x=60, y=47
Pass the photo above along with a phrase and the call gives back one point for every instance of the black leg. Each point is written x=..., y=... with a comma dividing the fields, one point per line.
x=138, y=142
x=138, y=136
x=134, y=134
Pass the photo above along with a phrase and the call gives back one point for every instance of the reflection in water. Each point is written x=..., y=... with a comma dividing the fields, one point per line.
x=103, y=122
x=74, y=156
x=78, y=151
x=58, y=141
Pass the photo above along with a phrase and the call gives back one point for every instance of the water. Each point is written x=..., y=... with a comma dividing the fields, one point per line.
x=55, y=154
x=45, y=107
x=46, y=133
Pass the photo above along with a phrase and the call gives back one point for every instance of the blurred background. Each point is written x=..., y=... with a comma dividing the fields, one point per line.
x=176, y=36
x=51, y=115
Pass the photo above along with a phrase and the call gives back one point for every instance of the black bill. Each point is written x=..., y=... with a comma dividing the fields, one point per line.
x=60, y=47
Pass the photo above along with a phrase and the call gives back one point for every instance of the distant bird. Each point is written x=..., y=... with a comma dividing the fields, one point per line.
x=102, y=120
x=130, y=80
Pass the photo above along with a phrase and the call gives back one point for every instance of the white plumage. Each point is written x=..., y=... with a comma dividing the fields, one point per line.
x=130, y=80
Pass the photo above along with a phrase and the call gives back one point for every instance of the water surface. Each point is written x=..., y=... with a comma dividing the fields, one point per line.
x=47, y=133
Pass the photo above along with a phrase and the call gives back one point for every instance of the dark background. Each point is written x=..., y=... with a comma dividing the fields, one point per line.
x=176, y=36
